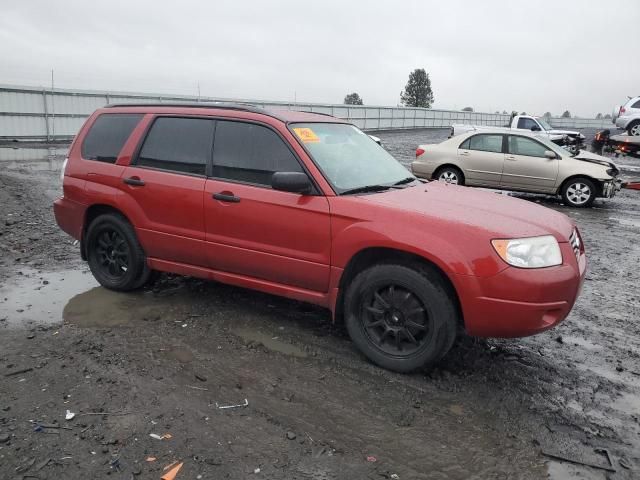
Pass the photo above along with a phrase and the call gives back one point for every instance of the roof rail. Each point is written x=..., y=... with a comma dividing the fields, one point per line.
x=244, y=107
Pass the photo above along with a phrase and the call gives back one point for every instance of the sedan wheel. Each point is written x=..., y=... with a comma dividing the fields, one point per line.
x=579, y=192
x=635, y=130
x=449, y=176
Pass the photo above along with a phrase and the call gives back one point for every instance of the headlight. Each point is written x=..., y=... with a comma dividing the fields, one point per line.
x=532, y=252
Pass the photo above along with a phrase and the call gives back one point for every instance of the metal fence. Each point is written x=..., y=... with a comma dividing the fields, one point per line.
x=28, y=113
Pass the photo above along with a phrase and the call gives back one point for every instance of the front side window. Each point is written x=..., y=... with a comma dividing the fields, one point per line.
x=348, y=158
x=178, y=144
x=108, y=135
x=526, y=146
x=486, y=143
x=250, y=153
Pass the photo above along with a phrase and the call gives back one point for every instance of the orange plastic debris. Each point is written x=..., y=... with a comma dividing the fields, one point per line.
x=171, y=474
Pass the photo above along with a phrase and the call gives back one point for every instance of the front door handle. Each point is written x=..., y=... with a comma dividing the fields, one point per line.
x=226, y=197
x=135, y=181
x=510, y=157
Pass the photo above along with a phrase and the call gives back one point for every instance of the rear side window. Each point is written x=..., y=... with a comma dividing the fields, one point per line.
x=526, y=146
x=178, y=144
x=108, y=135
x=636, y=105
x=486, y=143
x=250, y=153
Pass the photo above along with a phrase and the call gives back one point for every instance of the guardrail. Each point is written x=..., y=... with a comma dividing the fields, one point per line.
x=28, y=113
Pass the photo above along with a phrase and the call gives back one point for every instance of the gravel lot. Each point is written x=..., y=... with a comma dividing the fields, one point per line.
x=163, y=360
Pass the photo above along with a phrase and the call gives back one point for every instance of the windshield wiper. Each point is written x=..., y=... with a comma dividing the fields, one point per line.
x=405, y=180
x=365, y=189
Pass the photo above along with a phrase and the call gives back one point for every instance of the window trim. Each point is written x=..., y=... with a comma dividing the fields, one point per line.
x=503, y=149
x=143, y=138
x=528, y=138
x=90, y=128
x=316, y=191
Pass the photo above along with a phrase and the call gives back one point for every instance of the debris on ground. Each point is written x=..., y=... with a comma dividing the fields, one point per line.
x=171, y=471
x=69, y=415
x=245, y=404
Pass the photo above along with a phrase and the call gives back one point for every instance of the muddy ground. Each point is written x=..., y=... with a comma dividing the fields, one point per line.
x=163, y=360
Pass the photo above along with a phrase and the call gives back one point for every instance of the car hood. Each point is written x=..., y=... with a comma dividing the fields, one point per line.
x=501, y=216
x=595, y=158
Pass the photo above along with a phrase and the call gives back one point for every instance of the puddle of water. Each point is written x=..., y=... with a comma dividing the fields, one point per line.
x=100, y=307
x=626, y=222
x=269, y=341
x=627, y=403
x=74, y=297
x=41, y=298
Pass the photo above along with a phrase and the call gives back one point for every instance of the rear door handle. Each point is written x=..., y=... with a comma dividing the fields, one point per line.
x=510, y=157
x=464, y=153
x=226, y=197
x=135, y=181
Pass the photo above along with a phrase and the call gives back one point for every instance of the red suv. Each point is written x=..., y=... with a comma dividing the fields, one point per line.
x=307, y=206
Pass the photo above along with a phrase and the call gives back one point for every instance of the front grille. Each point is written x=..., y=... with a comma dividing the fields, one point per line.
x=574, y=240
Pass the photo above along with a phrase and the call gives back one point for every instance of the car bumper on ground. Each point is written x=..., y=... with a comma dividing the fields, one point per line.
x=521, y=302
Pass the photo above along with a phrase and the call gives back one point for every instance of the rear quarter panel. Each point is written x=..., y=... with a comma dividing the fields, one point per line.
x=435, y=156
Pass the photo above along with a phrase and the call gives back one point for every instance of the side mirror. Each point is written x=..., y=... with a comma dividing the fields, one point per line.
x=535, y=128
x=294, y=182
x=550, y=155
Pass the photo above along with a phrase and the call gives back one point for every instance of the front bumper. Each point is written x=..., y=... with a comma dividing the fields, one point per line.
x=520, y=302
x=611, y=187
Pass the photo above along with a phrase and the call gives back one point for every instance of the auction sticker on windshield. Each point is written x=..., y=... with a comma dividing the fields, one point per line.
x=306, y=135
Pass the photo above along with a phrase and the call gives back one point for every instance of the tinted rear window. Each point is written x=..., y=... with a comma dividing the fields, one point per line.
x=178, y=144
x=108, y=135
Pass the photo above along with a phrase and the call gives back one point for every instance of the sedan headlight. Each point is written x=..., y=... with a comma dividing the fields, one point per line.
x=532, y=252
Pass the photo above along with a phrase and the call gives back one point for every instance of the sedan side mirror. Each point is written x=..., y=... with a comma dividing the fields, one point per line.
x=535, y=128
x=550, y=155
x=294, y=182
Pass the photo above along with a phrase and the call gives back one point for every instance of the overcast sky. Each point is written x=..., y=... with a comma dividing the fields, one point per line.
x=534, y=56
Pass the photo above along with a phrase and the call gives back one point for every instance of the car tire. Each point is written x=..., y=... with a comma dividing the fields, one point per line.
x=400, y=317
x=449, y=175
x=634, y=129
x=115, y=257
x=579, y=192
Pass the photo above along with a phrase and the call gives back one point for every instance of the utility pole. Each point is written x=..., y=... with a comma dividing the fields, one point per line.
x=53, y=110
x=198, y=91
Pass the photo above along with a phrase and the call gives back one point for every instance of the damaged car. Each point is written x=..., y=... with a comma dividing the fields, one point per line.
x=523, y=162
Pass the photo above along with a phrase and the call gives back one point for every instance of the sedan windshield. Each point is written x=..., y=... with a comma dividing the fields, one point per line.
x=563, y=152
x=350, y=160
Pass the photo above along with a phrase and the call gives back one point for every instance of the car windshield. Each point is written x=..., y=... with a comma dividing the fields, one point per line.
x=563, y=152
x=543, y=123
x=350, y=160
